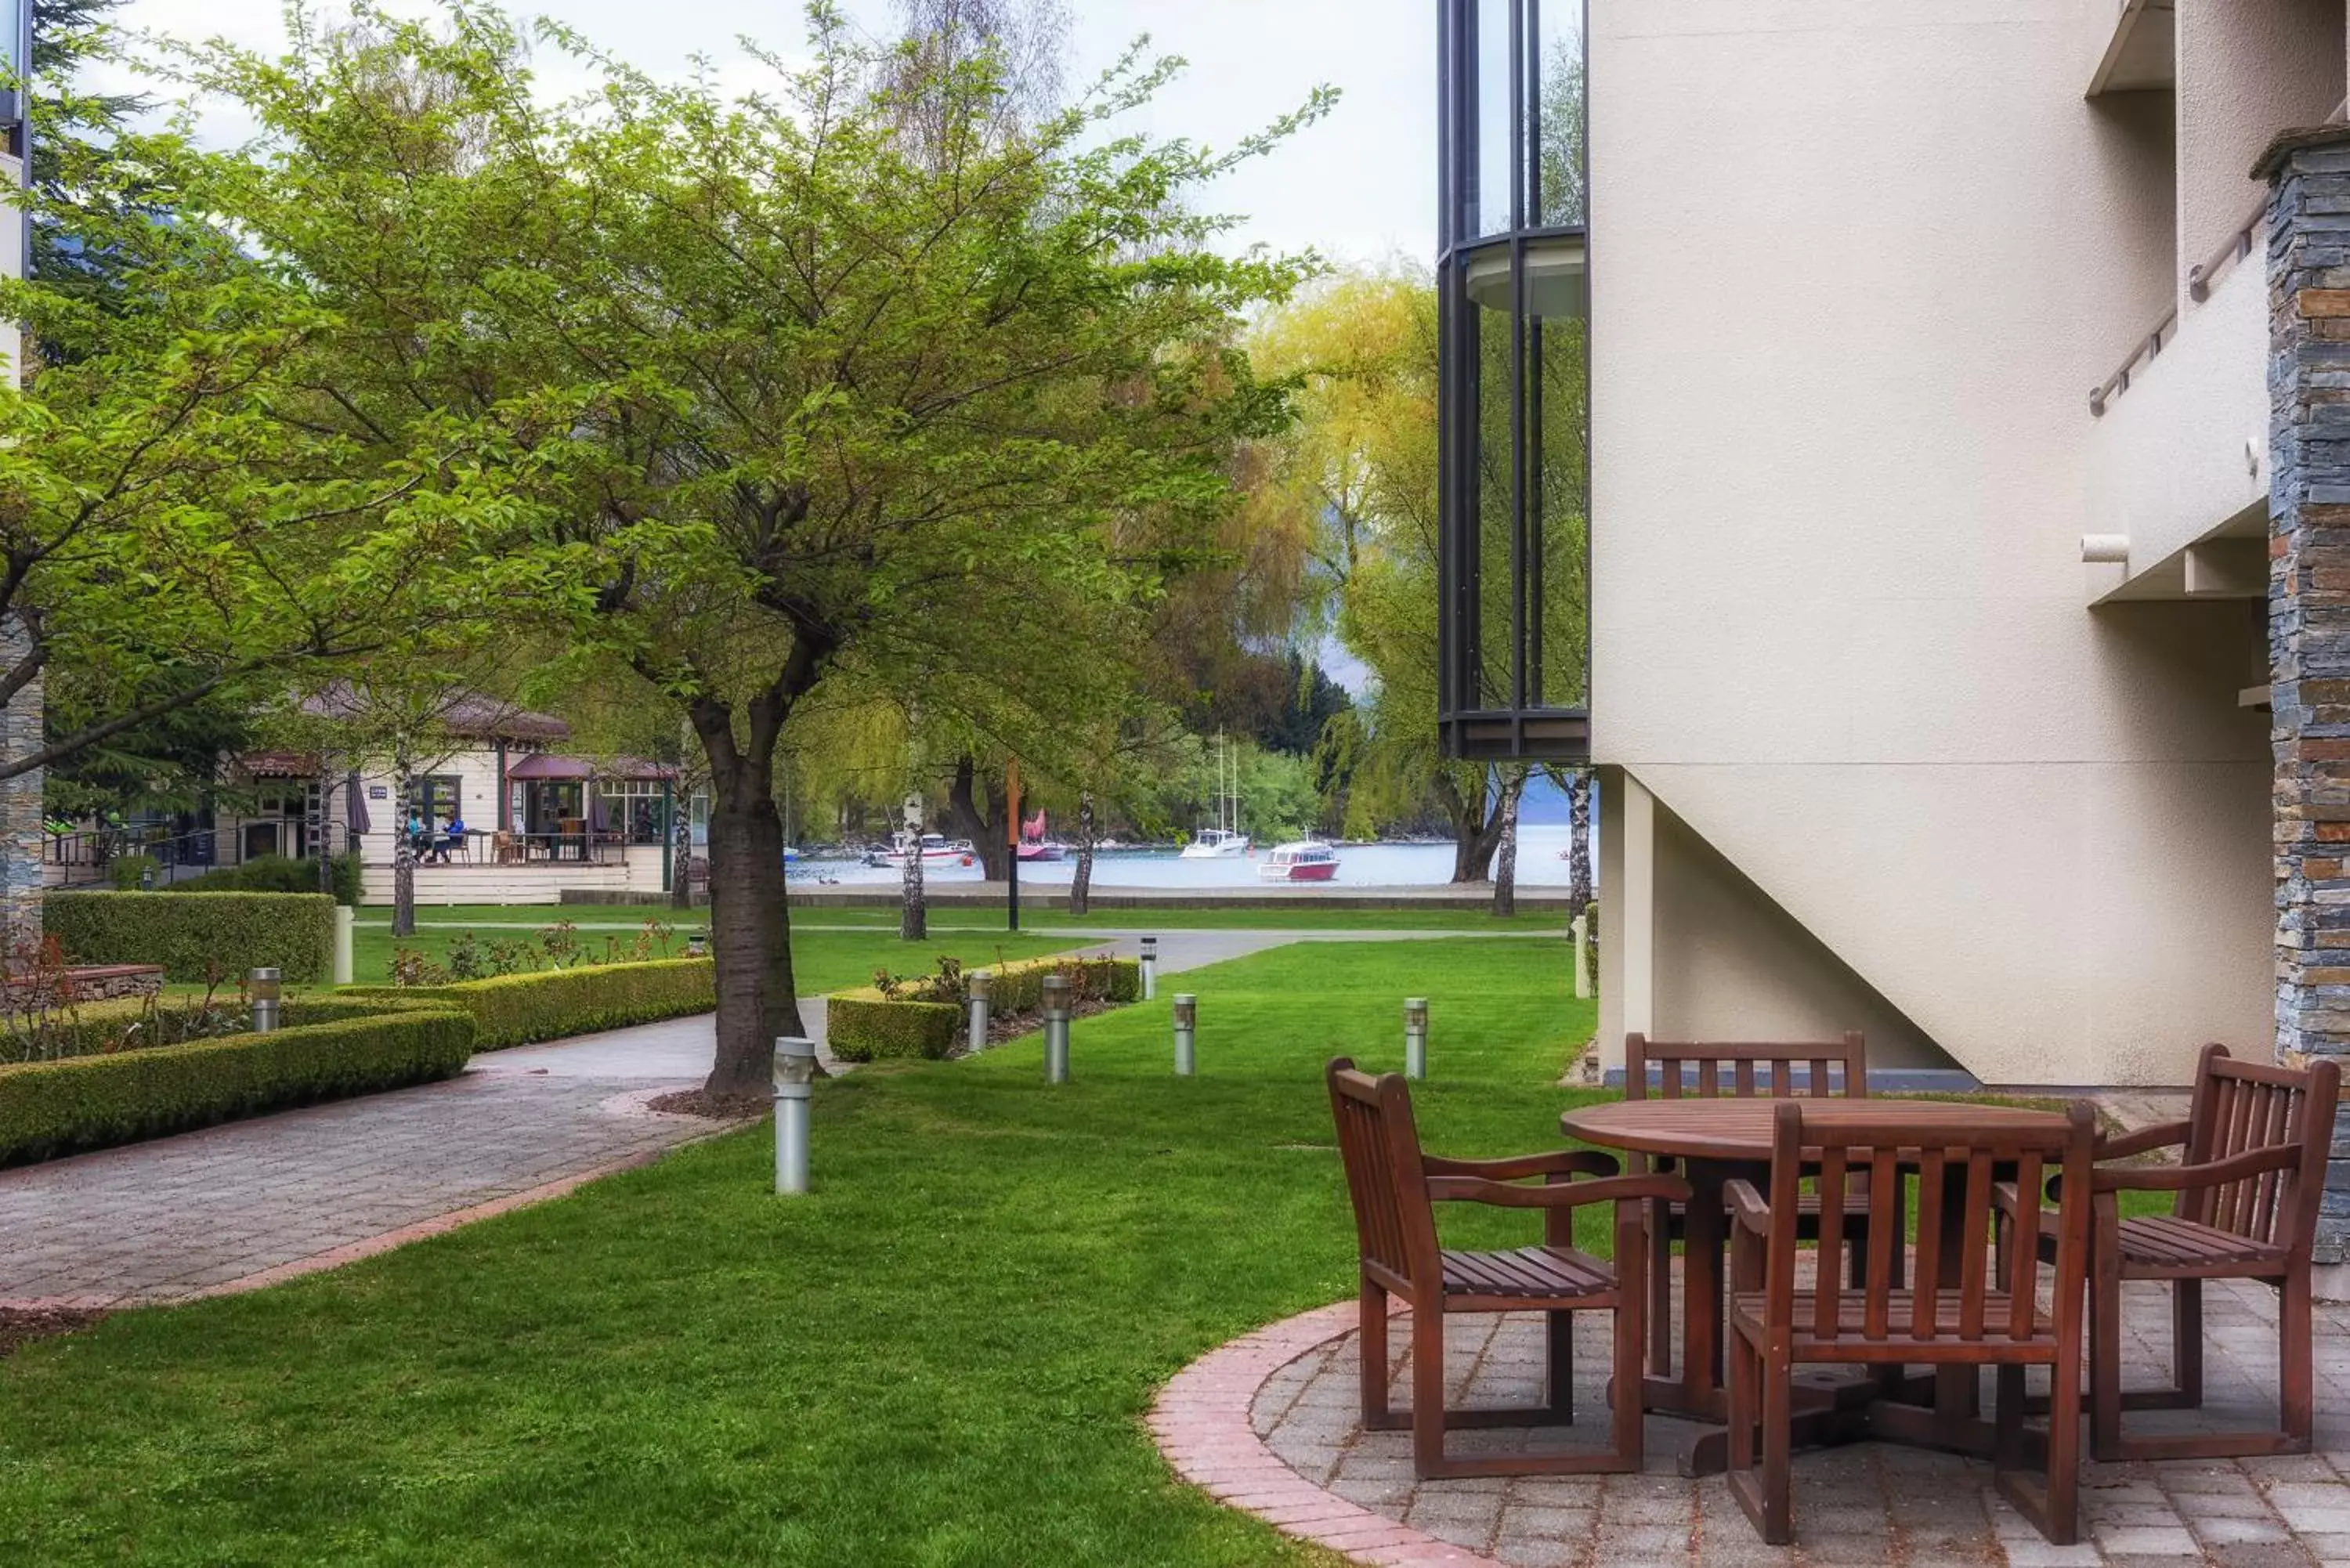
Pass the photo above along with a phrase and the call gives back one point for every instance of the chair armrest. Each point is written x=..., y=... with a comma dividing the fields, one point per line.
x=1557, y=1162
x=1747, y=1210
x=2163, y=1135
x=2179, y=1177
x=1555, y=1195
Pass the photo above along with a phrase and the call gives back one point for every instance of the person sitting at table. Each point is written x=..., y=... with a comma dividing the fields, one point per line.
x=451, y=837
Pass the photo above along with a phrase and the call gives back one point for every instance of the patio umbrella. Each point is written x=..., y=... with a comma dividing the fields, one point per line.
x=597, y=820
x=354, y=806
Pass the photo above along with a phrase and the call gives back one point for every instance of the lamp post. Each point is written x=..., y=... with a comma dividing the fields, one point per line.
x=795, y=1084
x=697, y=944
x=1057, y=1029
x=1150, y=968
x=1187, y=1020
x=263, y=984
x=980, y=986
x=1415, y=1037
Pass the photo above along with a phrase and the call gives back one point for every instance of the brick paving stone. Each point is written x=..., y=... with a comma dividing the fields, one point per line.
x=1865, y=1506
x=177, y=1216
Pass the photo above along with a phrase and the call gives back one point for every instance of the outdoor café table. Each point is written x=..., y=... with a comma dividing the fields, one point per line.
x=1715, y=1141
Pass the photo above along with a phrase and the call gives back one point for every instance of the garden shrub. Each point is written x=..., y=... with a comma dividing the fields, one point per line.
x=903, y=1021
x=128, y=873
x=522, y=1009
x=860, y=1026
x=197, y=937
x=49, y=1108
x=138, y=1022
x=277, y=874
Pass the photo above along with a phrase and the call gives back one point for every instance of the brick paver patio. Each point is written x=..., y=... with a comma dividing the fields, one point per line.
x=1269, y=1423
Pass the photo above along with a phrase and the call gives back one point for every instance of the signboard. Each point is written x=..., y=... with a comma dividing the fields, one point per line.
x=379, y=791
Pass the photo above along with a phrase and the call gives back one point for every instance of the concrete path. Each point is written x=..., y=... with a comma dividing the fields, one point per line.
x=233, y=1206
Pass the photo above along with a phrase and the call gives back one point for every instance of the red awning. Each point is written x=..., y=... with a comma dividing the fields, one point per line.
x=546, y=767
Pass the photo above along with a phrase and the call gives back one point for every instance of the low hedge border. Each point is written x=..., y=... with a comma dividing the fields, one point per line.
x=105, y=1027
x=197, y=937
x=523, y=1009
x=862, y=1026
x=50, y=1108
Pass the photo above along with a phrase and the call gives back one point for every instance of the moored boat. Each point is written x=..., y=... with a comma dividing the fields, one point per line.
x=1215, y=844
x=1307, y=860
x=937, y=850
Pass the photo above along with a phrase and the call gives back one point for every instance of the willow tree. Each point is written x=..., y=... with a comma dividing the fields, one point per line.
x=853, y=376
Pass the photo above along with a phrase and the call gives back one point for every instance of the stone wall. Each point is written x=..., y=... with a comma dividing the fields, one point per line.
x=20, y=801
x=2309, y=611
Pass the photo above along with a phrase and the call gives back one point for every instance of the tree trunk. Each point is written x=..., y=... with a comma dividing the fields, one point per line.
x=1505, y=855
x=976, y=812
x=749, y=920
x=680, y=833
x=320, y=813
x=1081, y=884
x=1578, y=855
x=913, y=905
x=404, y=848
x=1476, y=832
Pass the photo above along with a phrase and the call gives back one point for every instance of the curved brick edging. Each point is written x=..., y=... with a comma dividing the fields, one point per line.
x=1200, y=1423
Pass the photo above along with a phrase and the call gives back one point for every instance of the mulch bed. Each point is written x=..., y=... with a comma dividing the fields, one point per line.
x=713, y=1108
x=1001, y=1028
x=22, y=1325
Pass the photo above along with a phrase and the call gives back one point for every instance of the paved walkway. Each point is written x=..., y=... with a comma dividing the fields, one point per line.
x=1270, y=1424
x=229, y=1208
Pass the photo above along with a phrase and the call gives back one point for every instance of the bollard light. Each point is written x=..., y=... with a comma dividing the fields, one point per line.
x=795, y=1084
x=1187, y=1020
x=697, y=944
x=343, y=918
x=1057, y=1029
x=1415, y=1037
x=262, y=983
x=980, y=986
x=1150, y=968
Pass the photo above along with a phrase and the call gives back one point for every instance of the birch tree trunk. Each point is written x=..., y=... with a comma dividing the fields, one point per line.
x=680, y=833
x=403, y=844
x=1578, y=859
x=1505, y=854
x=913, y=905
x=1081, y=886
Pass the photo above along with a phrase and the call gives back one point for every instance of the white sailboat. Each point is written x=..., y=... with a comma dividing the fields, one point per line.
x=1226, y=839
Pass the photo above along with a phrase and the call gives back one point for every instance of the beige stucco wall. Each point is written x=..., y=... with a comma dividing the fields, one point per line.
x=2247, y=69
x=1853, y=274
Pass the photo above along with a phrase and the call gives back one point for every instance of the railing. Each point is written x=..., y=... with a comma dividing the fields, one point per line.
x=2201, y=279
x=88, y=855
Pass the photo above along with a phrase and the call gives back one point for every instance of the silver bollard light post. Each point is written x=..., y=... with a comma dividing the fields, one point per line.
x=1150, y=968
x=980, y=986
x=795, y=1084
x=1186, y=1021
x=1057, y=1029
x=264, y=989
x=1415, y=1037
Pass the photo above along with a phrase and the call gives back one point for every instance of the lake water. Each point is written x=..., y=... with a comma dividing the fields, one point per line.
x=1542, y=864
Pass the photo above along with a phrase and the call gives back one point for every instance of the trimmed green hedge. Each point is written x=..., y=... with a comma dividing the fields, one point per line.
x=858, y=1026
x=276, y=874
x=126, y=1024
x=196, y=935
x=861, y=1025
x=49, y=1108
x=522, y=1009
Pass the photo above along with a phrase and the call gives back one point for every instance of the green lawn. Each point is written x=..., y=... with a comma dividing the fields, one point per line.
x=821, y=960
x=941, y=1358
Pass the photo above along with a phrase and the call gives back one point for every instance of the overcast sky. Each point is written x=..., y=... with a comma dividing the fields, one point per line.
x=1360, y=186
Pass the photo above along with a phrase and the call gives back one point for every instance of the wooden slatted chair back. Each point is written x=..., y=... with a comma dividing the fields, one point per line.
x=1961, y=1167
x=2241, y=1107
x=1712, y=1070
x=1395, y=1225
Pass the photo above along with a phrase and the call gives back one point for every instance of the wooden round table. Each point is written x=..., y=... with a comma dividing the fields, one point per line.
x=1715, y=1141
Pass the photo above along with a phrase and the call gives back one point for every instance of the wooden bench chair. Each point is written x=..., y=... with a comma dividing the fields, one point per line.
x=1971, y=1315
x=1394, y=1187
x=2254, y=1146
x=1744, y=1072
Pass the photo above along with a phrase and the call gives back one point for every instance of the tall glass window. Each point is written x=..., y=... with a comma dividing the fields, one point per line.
x=1515, y=487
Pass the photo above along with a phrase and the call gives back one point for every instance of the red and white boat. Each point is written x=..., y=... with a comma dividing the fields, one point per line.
x=1307, y=860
